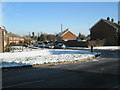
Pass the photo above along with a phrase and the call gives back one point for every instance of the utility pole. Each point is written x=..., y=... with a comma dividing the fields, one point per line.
x=61, y=27
x=29, y=38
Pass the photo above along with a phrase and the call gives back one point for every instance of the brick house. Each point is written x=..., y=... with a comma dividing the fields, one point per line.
x=106, y=30
x=65, y=36
x=3, y=38
x=13, y=38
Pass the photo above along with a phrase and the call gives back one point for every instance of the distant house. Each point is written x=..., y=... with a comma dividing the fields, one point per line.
x=13, y=38
x=33, y=41
x=28, y=40
x=65, y=36
x=106, y=30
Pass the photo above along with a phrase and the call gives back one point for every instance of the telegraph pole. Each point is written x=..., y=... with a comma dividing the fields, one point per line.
x=61, y=27
x=29, y=38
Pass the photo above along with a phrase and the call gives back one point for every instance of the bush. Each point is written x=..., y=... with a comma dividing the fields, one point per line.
x=8, y=48
x=13, y=44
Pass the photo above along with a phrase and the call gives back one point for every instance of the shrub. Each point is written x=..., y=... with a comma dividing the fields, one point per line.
x=8, y=48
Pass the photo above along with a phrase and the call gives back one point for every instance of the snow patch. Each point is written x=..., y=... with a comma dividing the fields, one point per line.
x=98, y=48
x=43, y=56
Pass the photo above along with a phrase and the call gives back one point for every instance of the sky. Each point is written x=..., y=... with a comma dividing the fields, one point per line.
x=47, y=17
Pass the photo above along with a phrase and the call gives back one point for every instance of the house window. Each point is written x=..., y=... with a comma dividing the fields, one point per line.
x=10, y=38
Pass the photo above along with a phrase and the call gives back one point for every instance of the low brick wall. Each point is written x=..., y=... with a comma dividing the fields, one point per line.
x=96, y=43
x=76, y=43
x=84, y=43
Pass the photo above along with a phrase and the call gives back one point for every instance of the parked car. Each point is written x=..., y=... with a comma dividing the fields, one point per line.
x=35, y=44
x=59, y=46
x=41, y=44
x=33, y=47
x=49, y=45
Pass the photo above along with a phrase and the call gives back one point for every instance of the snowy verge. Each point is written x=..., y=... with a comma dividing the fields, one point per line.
x=98, y=48
x=44, y=56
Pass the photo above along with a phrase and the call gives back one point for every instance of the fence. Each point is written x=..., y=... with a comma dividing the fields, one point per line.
x=73, y=43
x=96, y=43
x=19, y=49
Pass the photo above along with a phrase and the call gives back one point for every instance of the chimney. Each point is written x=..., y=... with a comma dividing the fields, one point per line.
x=108, y=18
x=112, y=20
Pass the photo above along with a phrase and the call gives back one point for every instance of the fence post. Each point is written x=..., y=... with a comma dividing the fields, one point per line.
x=91, y=48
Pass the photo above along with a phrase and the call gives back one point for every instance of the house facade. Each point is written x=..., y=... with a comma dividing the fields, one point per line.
x=66, y=35
x=13, y=38
x=3, y=39
x=106, y=30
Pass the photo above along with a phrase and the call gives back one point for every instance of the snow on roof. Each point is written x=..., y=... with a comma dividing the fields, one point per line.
x=2, y=27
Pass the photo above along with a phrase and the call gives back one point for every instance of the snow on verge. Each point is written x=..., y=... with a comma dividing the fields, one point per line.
x=98, y=48
x=41, y=57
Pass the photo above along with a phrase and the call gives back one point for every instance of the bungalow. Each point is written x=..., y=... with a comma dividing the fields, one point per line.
x=65, y=36
x=106, y=30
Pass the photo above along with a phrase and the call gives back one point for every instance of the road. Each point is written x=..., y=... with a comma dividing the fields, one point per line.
x=99, y=72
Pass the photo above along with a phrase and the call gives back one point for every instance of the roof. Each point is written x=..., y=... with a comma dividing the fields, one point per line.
x=12, y=35
x=62, y=33
x=113, y=24
x=2, y=27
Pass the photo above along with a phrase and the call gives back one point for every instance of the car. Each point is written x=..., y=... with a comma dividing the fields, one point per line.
x=41, y=44
x=59, y=46
x=33, y=47
x=49, y=45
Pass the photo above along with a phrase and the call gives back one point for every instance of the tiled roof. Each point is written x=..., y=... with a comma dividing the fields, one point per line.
x=61, y=33
x=12, y=35
x=112, y=23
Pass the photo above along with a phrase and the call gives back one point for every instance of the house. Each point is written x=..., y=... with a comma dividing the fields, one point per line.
x=28, y=40
x=106, y=30
x=3, y=39
x=65, y=36
x=13, y=38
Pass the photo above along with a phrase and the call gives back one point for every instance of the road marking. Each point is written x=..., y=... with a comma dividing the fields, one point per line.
x=23, y=84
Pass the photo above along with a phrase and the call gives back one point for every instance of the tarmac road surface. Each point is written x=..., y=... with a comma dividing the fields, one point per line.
x=99, y=72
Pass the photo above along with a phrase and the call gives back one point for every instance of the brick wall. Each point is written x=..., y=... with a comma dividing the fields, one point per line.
x=75, y=43
x=104, y=31
x=1, y=41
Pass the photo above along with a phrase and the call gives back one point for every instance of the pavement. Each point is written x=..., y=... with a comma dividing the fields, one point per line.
x=99, y=72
